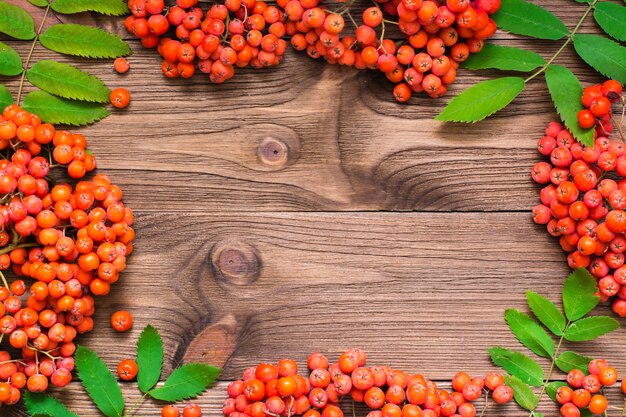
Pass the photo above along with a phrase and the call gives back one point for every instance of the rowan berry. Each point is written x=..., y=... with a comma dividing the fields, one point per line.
x=192, y=410
x=120, y=98
x=121, y=321
x=170, y=411
x=127, y=370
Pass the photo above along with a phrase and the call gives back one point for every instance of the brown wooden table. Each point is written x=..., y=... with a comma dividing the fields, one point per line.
x=300, y=208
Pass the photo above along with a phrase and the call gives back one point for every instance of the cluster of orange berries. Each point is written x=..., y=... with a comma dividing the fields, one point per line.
x=597, y=101
x=438, y=35
x=72, y=241
x=583, y=392
x=583, y=200
x=278, y=390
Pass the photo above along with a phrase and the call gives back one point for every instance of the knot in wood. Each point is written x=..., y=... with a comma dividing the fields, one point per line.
x=235, y=262
x=273, y=153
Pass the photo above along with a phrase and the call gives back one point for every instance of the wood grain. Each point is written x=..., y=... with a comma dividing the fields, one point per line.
x=300, y=208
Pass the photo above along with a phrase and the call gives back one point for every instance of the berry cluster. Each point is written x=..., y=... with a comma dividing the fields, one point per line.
x=438, y=35
x=584, y=199
x=597, y=101
x=278, y=390
x=583, y=391
x=72, y=241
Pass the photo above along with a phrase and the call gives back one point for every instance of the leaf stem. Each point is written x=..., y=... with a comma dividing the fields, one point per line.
x=137, y=403
x=30, y=54
x=567, y=41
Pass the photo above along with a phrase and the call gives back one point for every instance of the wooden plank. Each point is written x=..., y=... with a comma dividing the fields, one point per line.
x=268, y=141
x=418, y=291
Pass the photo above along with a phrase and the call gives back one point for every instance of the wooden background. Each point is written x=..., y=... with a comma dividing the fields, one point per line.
x=300, y=208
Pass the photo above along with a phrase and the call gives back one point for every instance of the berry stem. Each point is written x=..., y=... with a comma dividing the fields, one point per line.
x=623, y=409
x=12, y=247
x=4, y=281
x=30, y=54
x=567, y=41
x=137, y=404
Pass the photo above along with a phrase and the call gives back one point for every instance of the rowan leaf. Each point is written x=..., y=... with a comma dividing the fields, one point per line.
x=57, y=110
x=547, y=312
x=99, y=382
x=524, y=18
x=611, y=18
x=10, y=62
x=67, y=81
x=482, y=100
x=569, y=360
x=505, y=58
x=149, y=358
x=552, y=387
x=530, y=333
x=589, y=328
x=42, y=405
x=84, y=41
x=517, y=364
x=16, y=22
x=566, y=90
x=602, y=54
x=5, y=97
x=186, y=382
x=107, y=7
x=522, y=393
x=579, y=294
x=39, y=3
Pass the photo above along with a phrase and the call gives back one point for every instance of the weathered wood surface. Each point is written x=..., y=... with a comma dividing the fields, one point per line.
x=300, y=208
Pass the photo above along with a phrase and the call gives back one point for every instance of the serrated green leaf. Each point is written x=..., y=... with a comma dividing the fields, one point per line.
x=530, y=333
x=604, y=55
x=503, y=58
x=57, y=110
x=5, y=97
x=482, y=100
x=149, y=358
x=522, y=393
x=39, y=3
x=85, y=41
x=552, y=387
x=517, y=364
x=579, y=293
x=107, y=7
x=547, y=312
x=589, y=328
x=611, y=18
x=524, y=18
x=42, y=405
x=566, y=90
x=16, y=22
x=569, y=360
x=186, y=382
x=99, y=382
x=67, y=81
x=10, y=62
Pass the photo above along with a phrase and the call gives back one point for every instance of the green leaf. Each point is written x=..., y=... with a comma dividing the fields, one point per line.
x=482, y=100
x=604, y=55
x=569, y=360
x=530, y=333
x=547, y=312
x=589, y=328
x=524, y=18
x=5, y=97
x=552, y=387
x=39, y=3
x=58, y=110
x=85, y=41
x=99, y=382
x=566, y=91
x=503, y=58
x=16, y=22
x=517, y=364
x=10, y=62
x=579, y=293
x=107, y=7
x=611, y=18
x=67, y=81
x=185, y=382
x=149, y=358
x=42, y=405
x=522, y=393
